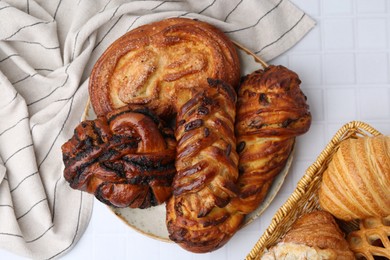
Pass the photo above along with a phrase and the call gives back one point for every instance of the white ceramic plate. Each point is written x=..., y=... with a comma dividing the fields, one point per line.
x=151, y=221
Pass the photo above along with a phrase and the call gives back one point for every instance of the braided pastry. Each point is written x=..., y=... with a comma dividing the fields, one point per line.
x=188, y=69
x=197, y=216
x=169, y=67
x=356, y=183
x=372, y=239
x=125, y=158
x=271, y=112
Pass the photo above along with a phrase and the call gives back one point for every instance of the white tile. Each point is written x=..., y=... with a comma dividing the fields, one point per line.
x=341, y=104
x=338, y=34
x=308, y=6
x=299, y=169
x=315, y=99
x=241, y=244
x=374, y=103
x=371, y=33
x=280, y=60
x=371, y=6
x=309, y=145
x=372, y=68
x=333, y=128
x=137, y=241
x=339, y=68
x=173, y=251
x=288, y=184
x=82, y=250
x=11, y=256
x=110, y=247
x=103, y=215
x=332, y=7
x=308, y=67
x=311, y=42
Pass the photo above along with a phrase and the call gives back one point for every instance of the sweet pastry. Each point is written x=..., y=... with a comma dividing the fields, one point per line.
x=186, y=71
x=198, y=214
x=372, y=239
x=271, y=112
x=126, y=158
x=151, y=64
x=356, y=183
x=314, y=235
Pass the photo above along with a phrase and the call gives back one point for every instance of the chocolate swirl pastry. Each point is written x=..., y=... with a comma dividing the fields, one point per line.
x=271, y=112
x=126, y=158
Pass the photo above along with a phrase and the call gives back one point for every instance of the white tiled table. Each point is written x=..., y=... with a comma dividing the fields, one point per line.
x=344, y=67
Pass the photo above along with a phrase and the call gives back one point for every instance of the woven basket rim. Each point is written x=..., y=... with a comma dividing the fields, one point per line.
x=347, y=130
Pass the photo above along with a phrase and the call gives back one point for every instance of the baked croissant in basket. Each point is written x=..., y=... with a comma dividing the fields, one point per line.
x=271, y=112
x=125, y=158
x=314, y=235
x=356, y=184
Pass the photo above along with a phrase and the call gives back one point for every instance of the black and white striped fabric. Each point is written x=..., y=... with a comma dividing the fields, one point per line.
x=47, y=50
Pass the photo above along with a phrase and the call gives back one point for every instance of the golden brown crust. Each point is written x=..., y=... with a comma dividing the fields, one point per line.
x=320, y=231
x=271, y=111
x=372, y=239
x=356, y=183
x=151, y=64
x=125, y=158
x=197, y=214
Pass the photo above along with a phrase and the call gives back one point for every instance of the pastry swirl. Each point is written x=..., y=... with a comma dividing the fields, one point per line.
x=125, y=158
x=151, y=64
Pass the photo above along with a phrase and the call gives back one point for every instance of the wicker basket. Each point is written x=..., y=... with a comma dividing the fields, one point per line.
x=304, y=198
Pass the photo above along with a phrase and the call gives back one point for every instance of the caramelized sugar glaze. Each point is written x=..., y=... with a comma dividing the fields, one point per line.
x=188, y=71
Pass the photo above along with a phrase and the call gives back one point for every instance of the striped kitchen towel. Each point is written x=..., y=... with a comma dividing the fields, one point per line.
x=47, y=51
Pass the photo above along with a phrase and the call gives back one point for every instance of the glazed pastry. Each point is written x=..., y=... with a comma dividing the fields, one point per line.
x=152, y=63
x=199, y=217
x=372, y=239
x=315, y=235
x=356, y=183
x=185, y=71
x=126, y=158
x=271, y=112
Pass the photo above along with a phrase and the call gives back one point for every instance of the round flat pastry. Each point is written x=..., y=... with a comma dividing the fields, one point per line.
x=152, y=64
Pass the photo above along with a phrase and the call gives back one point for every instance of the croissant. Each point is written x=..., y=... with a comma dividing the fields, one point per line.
x=126, y=158
x=271, y=112
x=314, y=235
x=356, y=183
